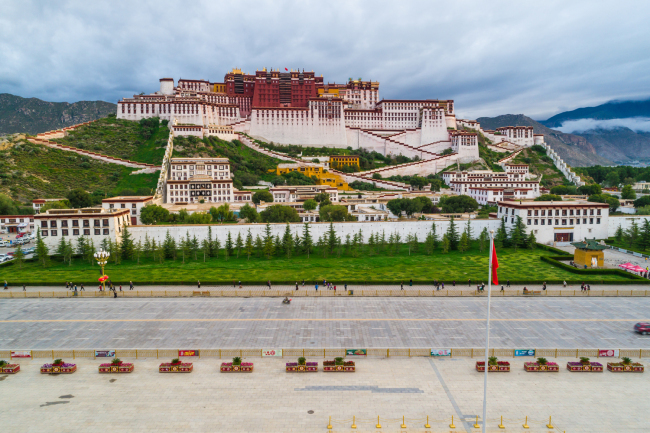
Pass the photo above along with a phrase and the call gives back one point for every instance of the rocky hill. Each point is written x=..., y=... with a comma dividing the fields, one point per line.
x=610, y=110
x=32, y=115
x=576, y=150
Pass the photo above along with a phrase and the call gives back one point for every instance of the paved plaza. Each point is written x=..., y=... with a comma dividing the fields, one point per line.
x=321, y=323
x=271, y=400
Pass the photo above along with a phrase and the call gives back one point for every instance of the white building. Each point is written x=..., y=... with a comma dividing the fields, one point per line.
x=16, y=223
x=522, y=169
x=38, y=203
x=95, y=224
x=562, y=222
x=300, y=193
x=133, y=203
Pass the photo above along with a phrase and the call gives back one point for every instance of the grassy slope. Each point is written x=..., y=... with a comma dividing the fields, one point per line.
x=541, y=164
x=121, y=138
x=35, y=171
x=521, y=265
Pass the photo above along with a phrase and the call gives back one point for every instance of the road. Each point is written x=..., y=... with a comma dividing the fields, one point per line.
x=326, y=322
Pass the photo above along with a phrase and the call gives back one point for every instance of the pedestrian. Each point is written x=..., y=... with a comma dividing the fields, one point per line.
x=100, y=287
x=268, y=284
x=544, y=286
x=453, y=283
x=469, y=282
x=502, y=288
x=121, y=286
x=114, y=294
x=564, y=284
x=5, y=284
x=240, y=284
x=402, y=285
x=317, y=287
x=198, y=285
x=303, y=282
x=24, y=289
x=346, y=287
x=82, y=288
x=507, y=283
x=443, y=285
x=66, y=285
x=75, y=287
x=411, y=282
x=588, y=287
x=75, y=291
x=130, y=285
x=233, y=284
x=296, y=285
x=335, y=290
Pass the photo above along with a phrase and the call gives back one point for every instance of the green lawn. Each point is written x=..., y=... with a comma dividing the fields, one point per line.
x=518, y=266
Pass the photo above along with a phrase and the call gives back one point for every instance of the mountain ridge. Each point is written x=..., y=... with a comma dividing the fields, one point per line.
x=606, y=111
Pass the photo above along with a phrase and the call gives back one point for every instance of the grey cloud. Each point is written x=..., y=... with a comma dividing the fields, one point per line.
x=491, y=57
x=640, y=124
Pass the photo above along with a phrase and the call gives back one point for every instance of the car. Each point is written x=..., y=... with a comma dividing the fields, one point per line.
x=20, y=235
x=642, y=328
x=4, y=244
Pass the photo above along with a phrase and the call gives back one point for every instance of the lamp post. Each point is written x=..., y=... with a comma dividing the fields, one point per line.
x=487, y=332
x=102, y=258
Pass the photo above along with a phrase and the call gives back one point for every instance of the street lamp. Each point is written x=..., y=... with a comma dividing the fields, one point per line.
x=102, y=258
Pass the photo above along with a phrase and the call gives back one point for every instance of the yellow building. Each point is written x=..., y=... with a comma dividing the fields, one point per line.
x=340, y=161
x=323, y=177
x=589, y=253
x=219, y=87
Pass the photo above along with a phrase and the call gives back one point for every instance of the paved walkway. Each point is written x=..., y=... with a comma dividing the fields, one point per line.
x=324, y=322
x=271, y=400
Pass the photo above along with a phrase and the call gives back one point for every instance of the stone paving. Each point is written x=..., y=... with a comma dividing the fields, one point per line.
x=271, y=400
x=321, y=323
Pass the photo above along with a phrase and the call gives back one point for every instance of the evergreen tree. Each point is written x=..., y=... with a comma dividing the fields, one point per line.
x=446, y=244
x=338, y=246
x=619, y=234
x=307, y=242
x=297, y=244
x=398, y=242
x=212, y=244
x=348, y=244
x=249, y=245
x=279, y=250
x=239, y=244
x=229, y=244
x=391, y=244
x=464, y=242
x=434, y=235
x=259, y=246
x=287, y=242
x=531, y=242
x=501, y=238
x=137, y=250
x=428, y=243
x=331, y=238
x=82, y=246
x=161, y=252
x=60, y=249
x=104, y=244
x=371, y=244
x=195, y=247
x=154, y=249
x=452, y=234
x=148, y=250
x=68, y=253
x=382, y=241
x=126, y=248
x=215, y=246
x=90, y=251
x=469, y=231
x=205, y=247
x=632, y=234
x=483, y=240
x=644, y=240
x=42, y=252
x=19, y=256
x=185, y=245
x=169, y=246
x=322, y=245
x=269, y=247
x=518, y=234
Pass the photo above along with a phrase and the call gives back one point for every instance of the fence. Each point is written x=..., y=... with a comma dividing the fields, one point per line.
x=326, y=293
x=319, y=352
x=404, y=422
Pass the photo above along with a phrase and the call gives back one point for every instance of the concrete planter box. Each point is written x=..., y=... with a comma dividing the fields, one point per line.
x=10, y=369
x=292, y=367
x=227, y=367
x=534, y=366
x=183, y=367
x=502, y=366
x=59, y=369
x=595, y=367
x=619, y=367
x=123, y=367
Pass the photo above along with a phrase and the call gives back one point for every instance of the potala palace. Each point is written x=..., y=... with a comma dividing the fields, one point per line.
x=297, y=107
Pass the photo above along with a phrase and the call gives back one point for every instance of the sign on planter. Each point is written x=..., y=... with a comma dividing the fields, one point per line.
x=525, y=352
x=271, y=352
x=356, y=352
x=21, y=354
x=188, y=353
x=440, y=352
x=608, y=353
x=104, y=353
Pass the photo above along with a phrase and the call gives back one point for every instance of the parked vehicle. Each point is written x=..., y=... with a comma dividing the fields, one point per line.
x=20, y=235
x=642, y=328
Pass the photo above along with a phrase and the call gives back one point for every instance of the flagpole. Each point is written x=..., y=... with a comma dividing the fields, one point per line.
x=487, y=332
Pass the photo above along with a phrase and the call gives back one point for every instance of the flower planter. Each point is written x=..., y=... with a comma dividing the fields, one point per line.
x=619, y=367
x=502, y=366
x=548, y=367
x=596, y=367
x=64, y=368
x=10, y=369
x=294, y=367
x=245, y=367
x=182, y=367
x=122, y=367
x=349, y=366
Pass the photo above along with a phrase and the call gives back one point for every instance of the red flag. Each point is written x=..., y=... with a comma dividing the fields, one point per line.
x=495, y=266
x=286, y=69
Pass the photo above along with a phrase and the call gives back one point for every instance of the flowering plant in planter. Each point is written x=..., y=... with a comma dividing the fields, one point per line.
x=176, y=366
x=584, y=365
x=236, y=366
x=625, y=366
x=301, y=366
x=339, y=365
x=6, y=367
x=116, y=366
x=541, y=365
x=58, y=366
x=493, y=365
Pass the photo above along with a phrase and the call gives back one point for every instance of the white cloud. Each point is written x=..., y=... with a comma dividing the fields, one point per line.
x=496, y=57
x=641, y=124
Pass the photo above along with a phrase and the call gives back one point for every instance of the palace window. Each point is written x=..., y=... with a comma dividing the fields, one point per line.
x=43, y=232
x=75, y=232
x=53, y=232
x=86, y=232
x=64, y=232
x=97, y=232
x=86, y=224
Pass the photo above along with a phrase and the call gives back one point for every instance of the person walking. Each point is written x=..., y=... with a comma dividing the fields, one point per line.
x=67, y=285
x=198, y=284
x=317, y=286
x=82, y=288
x=75, y=293
x=121, y=287
x=114, y=294
x=296, y=285
x=303, y=282
x=334, y=290
x=402, y=285
x=544, y=286
x=130, y=285
x=508, y=283
x=346, y=286
x=502, y=288
x=564, y=284
x=453, y=283
x=75, y=287
x=100, y=287
x=443, y=285
x=240, y=284
x=6, y=285
x=469, y=282
x=411, y=282
x=24, y=289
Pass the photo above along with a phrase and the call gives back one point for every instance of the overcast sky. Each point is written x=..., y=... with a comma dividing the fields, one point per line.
x=493, y=57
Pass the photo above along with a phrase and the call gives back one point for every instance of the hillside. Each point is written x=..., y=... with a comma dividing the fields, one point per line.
x=541, y=164
x=29, y=171
x=609, y=110
x=143, y=141
x=573, y=149
x=32, y=115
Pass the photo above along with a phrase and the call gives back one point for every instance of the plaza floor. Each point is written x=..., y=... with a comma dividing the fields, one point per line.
x=271, y=400
x=321, y=323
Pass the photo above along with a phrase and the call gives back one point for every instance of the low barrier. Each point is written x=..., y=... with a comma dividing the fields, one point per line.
x=325, y=293
x=445, y=423
x=291, y=353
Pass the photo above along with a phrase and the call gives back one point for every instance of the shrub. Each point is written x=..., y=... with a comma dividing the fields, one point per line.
x=492, y=360
x=626, y=360
x=116, y=361
x=302, y=360
x=541, y=361
x=236, y=360
x=584, y=360
x=338, y=361
x=57, y=362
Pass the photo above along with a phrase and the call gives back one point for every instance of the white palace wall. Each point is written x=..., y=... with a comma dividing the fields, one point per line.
x=404, y=228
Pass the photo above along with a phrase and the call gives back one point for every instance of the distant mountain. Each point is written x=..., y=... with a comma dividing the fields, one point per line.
x=610, y=110
x=32, y=115
x=574, y=150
